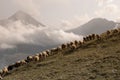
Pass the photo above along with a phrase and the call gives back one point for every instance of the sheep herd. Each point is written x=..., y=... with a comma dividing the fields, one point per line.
x=44, y=54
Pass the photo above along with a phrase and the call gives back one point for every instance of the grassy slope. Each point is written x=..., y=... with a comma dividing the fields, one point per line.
x=97, y=60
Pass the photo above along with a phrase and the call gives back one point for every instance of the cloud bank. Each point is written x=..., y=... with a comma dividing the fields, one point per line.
x=18, y=33
x=75, y=22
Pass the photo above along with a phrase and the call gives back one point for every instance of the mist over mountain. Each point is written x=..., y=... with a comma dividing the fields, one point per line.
x=23, y=17
x=96, y=25
x=22, y=35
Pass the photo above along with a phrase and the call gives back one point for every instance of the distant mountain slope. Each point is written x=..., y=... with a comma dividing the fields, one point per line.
x=94, y=60
x=23, y=17
x=97, y=25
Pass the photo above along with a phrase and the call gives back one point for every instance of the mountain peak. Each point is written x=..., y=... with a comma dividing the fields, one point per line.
x=96, y=26
x=99, y=20
x=25, y=18
x=20, y=12
x=19, y=15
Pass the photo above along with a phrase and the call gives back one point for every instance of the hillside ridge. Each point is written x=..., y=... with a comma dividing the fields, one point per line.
x=65, y=49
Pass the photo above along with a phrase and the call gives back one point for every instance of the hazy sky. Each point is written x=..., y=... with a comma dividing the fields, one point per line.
x=66, y=13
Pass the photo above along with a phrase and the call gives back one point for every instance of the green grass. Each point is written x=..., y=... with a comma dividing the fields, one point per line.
x=96, y=60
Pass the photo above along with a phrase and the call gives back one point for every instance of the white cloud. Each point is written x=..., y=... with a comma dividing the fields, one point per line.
x=66, y=24
x=101, y=2
x=52, y=37
x=108, y=10
x=7, y=46
x=75, y=22
x=17, y=33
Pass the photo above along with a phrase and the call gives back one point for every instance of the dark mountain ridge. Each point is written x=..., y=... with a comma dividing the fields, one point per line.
x=96, y=25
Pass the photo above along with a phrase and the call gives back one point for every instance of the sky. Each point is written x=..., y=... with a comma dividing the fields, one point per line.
x=67, y=14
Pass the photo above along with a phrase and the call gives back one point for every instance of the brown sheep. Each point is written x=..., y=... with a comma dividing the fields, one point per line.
x=40, y=55
x=76, y=42
x=44, y=54
x=4, y=71
x=73, y=47
x=87, y=38
x=1, y=72
x=98, y=37
x=63, y=46
x=54, y=50
x=93, y=36
x=68, y=45
x=17, y=64
x=36, y=58
x=29, y=58
x=1, y=77
x=11, y=67
x=108, y=32
x=84, y=39
x=115, y=31
x=22, y=62
x=118, y=29
x=71, y=43
x=59, y=48
x=80, y=43
x=48, y=52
